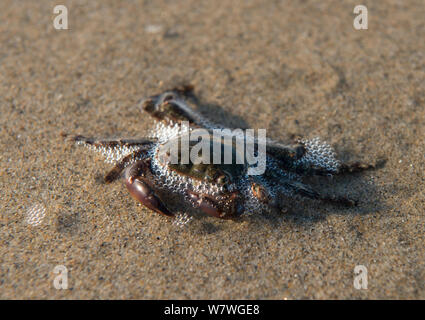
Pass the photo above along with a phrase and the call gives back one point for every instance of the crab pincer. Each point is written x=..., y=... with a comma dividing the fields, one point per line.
x=140, y=188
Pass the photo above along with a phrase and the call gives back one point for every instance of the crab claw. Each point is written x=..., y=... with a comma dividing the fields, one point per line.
x=142, y=192
x=206, y=205
x=220, y=209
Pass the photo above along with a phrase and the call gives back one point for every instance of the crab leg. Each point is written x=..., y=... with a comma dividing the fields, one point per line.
x=357, y=167
x=170, y=107
x=344, y=168
x=305, y=191
x=111, y=143
x=135, y=148
x=115, y=172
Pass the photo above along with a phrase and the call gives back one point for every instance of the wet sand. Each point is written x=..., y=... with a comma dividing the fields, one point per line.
x=297, y=69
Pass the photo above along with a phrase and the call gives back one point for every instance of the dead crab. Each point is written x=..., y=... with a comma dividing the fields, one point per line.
x=220, y=190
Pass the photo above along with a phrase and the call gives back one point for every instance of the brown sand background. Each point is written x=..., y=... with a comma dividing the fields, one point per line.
x=295, y=68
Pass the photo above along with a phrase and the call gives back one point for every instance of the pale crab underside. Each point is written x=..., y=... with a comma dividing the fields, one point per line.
x=222, y=191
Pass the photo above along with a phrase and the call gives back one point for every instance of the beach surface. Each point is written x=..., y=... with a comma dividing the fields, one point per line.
x=296, y=68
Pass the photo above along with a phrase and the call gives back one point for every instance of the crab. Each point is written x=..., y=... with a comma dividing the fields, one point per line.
x=220, y=190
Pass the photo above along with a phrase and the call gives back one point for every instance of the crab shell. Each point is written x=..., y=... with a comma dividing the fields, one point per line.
x=197, y=161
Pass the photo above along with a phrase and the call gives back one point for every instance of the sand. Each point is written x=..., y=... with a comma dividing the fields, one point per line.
x=296, y=68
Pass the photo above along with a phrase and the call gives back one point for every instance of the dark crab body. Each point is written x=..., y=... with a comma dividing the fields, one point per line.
x=220, y=190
